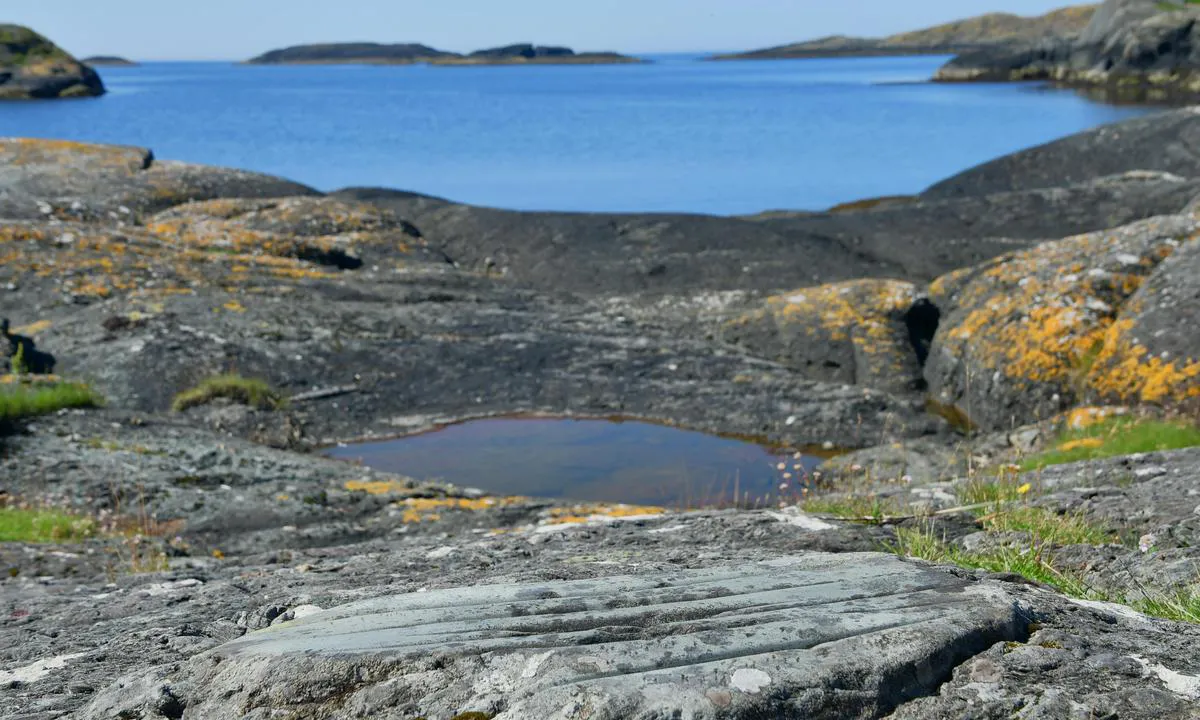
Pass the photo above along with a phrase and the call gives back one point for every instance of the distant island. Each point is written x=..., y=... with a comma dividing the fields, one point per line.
x=33, y=68
x=108, y=61
x=414, y=53
x=956, y=37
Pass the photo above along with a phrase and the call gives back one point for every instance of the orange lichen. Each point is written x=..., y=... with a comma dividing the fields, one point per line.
x=865, y=314
x=1084, y=443
x=1127, y=371
x=1048, y=315
x=33, y=328
x=592, y=512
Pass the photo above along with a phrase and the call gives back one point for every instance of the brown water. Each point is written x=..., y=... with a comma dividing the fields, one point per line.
x=595, y=460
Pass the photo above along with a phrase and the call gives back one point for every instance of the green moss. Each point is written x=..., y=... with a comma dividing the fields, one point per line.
x=1114, y=438
x=43, y=526
x=20, y=401
x=246, y=391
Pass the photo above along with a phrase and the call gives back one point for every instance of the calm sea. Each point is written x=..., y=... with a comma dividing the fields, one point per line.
x=676, y=135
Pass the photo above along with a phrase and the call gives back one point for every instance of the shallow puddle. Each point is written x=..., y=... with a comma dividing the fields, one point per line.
x=599, y=460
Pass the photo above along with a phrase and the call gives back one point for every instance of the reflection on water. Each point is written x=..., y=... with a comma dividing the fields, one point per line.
x=600, y=460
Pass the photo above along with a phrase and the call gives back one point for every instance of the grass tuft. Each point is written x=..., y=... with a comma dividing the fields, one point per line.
x=19, y=401
x=862, y=508
x=43, y=526
x=1182, y=607
x=246, y=391
x=1028, y=562
x=1047, y=526
x=1114, y=438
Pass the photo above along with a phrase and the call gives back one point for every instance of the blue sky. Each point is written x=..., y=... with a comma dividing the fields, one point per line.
x=237, y=29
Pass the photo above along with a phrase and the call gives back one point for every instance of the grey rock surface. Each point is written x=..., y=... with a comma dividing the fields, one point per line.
x=1166, y=142
x=811, y=636
x=48, y=180
x=918, y=240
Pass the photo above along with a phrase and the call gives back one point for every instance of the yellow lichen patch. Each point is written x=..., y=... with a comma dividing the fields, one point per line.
x=1084, y=443
x=33, y=328
x=594, y=512
x=379, y=487
x=417, y=510
x=1126, y=370
x=234, y=306
x=842, y=307
x=1045, y=315
x=10, y=379
x=1085, y=417
x=862, y=319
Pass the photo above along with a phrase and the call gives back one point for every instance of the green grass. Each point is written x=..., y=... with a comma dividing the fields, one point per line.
x=246, y=391
x=1182, y=607
x=1005, y=488
x=43, y=526
x=1047, y=526
x=869, y=508
x=1031, y=563
x=1113, y=438
x=1027, y=562
x=19, y=401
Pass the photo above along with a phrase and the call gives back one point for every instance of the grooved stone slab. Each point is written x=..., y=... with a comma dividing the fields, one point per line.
x=848, y=635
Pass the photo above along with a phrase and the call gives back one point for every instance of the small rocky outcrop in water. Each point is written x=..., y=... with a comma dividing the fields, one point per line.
x=527, y=53
x=334, y=53
x=992, y=29
x=1131, y=49
x=409, y=53
x=108, y=61
x=32, y=67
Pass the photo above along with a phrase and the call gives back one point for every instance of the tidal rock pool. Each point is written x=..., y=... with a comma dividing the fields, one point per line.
x=595, y=460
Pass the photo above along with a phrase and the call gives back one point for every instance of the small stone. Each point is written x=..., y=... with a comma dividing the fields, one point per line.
x=750, y=681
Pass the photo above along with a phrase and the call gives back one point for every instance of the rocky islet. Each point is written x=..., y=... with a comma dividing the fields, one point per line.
x=33, y=68
x=414, y=53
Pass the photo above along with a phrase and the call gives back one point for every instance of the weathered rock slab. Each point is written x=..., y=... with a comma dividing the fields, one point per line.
x=807, y=636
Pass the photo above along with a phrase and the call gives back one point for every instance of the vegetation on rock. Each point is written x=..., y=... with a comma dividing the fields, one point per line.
x=21, y=400
x=43, y=526
x=1113, y=438
x=245, y=391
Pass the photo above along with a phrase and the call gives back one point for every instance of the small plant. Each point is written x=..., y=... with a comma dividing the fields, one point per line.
x=17, y=361
x=19, y=401
x=246, y=391
x=1113, y=438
